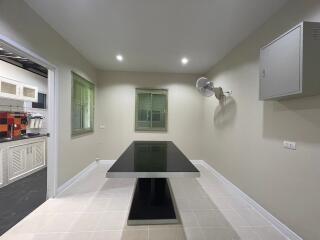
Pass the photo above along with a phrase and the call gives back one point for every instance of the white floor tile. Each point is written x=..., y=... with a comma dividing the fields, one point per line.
x=115, y=220
x=165, y=226
x=96, y=208
x=211, y=218
x=253, y=217
x=166, y=234
x=238, y=202
x=60, y=222
x=188, y=219
x=193, y=233
x=98, y=205
x=48, y=236
x=107, y=235
x=30, y=224
x=222, y=202
x=15, y=236
x=86, y=222
x=234, y=219
x=267, y=233
x=77, y=236
x=201, y=203
x=220, y=234
x=135, y=235
x=247, y=233
x=119, y=204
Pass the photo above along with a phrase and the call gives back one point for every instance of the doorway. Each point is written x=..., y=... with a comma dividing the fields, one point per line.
x=52, y=98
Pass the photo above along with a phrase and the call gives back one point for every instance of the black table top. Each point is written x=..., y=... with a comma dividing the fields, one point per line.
x=154, y=159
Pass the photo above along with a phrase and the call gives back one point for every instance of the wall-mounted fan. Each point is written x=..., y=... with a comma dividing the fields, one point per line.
x=207, y=89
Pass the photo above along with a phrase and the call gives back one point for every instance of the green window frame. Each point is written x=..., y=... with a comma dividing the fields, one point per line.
x=82, y=102
x=151, y=113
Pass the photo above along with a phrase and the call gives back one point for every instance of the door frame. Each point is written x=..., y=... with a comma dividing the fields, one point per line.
x=52, y=140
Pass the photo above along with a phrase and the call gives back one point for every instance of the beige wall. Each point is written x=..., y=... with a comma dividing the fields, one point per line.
x=244, y=137
x=116, y=107
x=24, y=26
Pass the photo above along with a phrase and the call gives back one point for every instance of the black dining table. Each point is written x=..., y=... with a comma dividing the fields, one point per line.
x=152, y=163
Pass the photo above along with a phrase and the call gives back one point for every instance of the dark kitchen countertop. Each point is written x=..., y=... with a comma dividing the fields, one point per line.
x=4, y=140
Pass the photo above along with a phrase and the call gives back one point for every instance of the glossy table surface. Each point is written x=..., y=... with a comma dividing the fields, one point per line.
x=152, y=159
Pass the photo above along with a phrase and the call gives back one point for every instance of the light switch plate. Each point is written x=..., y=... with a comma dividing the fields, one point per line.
x=290, y=145
x=102, y=126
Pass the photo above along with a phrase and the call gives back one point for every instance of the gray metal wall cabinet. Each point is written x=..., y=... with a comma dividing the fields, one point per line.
x=290, y=65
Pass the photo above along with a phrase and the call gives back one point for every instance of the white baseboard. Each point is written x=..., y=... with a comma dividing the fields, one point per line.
x=273, y=220
x=76, y=178
x=82, y=174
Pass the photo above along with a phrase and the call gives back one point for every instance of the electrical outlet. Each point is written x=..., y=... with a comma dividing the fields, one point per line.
x=102, y=126
x=289, y=145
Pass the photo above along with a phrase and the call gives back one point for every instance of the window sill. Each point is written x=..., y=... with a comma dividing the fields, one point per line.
x=151, y=130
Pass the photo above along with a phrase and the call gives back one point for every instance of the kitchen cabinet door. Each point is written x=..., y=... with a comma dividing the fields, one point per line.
x=9, y=88
x=280, y=63
x=17, y=161
x=29, y=93
x=289, y=65
x=38, y=155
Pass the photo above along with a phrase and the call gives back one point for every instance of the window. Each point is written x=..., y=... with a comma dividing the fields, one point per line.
x=151, y=110
x=82, y=105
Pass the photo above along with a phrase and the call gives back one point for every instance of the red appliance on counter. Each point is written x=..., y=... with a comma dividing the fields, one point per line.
x=16, y=120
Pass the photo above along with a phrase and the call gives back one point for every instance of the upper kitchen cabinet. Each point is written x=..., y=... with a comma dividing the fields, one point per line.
x=29, y=93
x=9, y=88
x=289, y=64
x=17, y=90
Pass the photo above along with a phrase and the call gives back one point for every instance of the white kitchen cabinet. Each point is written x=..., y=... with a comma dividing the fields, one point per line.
x=289, y=64
x=23, y=158
x=29, y=93
x=9, y=88
x=16, y=90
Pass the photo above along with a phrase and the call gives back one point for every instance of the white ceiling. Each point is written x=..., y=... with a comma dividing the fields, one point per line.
x=153, y=35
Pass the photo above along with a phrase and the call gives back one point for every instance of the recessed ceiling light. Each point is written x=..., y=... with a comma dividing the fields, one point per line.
x=184, y=60
x=119, y=58
x=1, y=48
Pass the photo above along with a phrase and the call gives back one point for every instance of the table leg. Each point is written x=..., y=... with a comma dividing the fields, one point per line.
x=152, y=203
